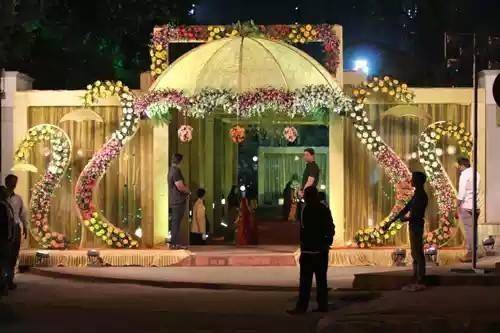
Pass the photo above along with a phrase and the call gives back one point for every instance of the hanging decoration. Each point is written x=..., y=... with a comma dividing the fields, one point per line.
x=292, y=34
x=444, y=191
x=237, y=134
x=44, y=189
x=95, y=169
x=290, y=133
x=311, y=101
x=398, y=173
x=185, y=133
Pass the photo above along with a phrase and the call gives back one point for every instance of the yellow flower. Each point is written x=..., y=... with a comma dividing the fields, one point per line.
x=211, y=34
x=375, y=88
x=384, y=89
x=381, y=83
x=209, y=39
x=291, y=36
x=216, y=30
x=157, y=71
x=295, y=40
x=222, y=28
x=302, y=40
x=302, y=29
x=164, y=66
x=355, y=92
x=306, y=34
x=308, y=27
x=158, y=47
x=392, y=92
x=209, y=28
x=362, y=91
x=234, y=32
x=404, y=86
x=314, y=32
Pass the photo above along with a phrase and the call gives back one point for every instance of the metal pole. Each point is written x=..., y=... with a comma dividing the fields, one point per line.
x=474, y=155
x=2, y=95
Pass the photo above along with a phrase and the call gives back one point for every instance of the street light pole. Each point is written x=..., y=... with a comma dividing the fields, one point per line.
x=474, y=154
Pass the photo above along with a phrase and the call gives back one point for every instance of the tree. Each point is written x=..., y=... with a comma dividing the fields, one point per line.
x=67, y=44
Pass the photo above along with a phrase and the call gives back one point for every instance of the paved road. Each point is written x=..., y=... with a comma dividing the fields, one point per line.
x=56, y=305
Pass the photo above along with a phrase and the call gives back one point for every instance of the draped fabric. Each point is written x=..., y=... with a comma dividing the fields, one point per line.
x=369, y=196
x=124, y=194
x=277, y=166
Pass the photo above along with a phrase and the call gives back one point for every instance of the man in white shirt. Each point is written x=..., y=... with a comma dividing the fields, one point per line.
x=21, y=225
x=465, y=201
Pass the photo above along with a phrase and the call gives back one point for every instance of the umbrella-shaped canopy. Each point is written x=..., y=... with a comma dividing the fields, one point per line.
x=243, y=64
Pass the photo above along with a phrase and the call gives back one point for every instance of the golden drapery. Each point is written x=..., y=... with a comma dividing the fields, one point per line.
x=369, y=196
x=124, y=193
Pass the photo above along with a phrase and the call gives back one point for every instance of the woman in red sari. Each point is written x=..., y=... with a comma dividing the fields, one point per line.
x=246, y=233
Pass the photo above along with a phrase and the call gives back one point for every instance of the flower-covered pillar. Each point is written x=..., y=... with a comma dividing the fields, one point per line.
x=336, y=158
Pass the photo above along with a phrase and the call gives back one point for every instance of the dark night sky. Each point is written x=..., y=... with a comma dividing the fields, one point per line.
x=108, y=39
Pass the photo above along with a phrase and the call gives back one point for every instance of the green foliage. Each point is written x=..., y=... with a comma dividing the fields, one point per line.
x=66, y=44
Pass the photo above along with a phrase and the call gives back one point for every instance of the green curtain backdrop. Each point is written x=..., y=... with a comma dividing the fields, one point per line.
x=277, y=165
x=369, y=196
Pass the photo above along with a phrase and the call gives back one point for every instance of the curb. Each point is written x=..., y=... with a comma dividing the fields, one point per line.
x=161, y=284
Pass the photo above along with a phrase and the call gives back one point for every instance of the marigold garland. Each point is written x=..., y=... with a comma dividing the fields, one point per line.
x=44, y=189
x=295, y=33
x=95, y=169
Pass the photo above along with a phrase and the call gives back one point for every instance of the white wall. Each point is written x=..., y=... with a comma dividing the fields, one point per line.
x=492, y=154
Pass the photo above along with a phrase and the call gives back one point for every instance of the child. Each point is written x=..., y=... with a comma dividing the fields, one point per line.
x=198, y=224
x=416, y=209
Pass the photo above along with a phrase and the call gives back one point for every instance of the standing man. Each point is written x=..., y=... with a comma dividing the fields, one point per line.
x=316, y=237
x=178, y=194
x=21, y=225
x=310, y=177
x=311, y=173
x=465, y=203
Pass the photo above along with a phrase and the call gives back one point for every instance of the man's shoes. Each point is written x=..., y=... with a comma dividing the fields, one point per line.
x=296, y=312
x=12, y=286
x=320, y=310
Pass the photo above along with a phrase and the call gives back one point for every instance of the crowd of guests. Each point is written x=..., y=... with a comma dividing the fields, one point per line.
x=13, y=226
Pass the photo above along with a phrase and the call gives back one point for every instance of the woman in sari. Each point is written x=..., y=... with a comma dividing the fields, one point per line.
x=246, y=232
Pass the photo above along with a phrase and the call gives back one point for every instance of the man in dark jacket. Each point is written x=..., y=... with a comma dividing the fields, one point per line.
x=6, y=236
x=316, y=237
x=414, y=213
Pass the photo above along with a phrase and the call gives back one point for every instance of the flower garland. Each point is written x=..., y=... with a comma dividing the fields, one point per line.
x=398, y=173
x=445, y=192
x=97, y=166
x=295, y=33
x=312, y=101
x=44, y=189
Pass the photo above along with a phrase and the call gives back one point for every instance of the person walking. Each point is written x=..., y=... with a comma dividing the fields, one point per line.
x=7, y=225
x=20, y=227
x=316, y=236
x=178, y=196
x=465, y=199
x=414, y=213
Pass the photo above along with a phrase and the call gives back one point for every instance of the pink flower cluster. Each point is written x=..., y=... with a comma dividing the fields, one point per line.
x=256, y=102
x=171, y=97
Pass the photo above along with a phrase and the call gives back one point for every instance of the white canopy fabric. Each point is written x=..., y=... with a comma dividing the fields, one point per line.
x=243, y=64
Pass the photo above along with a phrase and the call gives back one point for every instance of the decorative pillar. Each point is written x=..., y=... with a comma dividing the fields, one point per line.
x=160, y=183
x=336, y=158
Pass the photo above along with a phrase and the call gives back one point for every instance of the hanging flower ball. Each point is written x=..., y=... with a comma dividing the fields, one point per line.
x=185, y=133
x=290, y=133
x=237, y=134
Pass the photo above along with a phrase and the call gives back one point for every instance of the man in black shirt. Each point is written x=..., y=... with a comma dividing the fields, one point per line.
x=316, y=237
x=311, y=173
x=416, y=209
x=178, y=194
